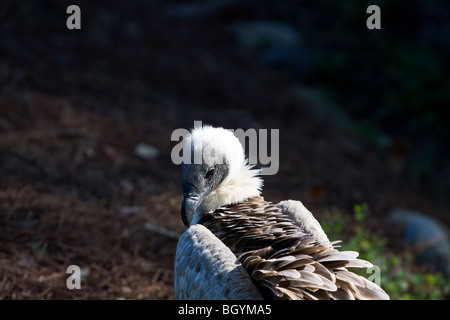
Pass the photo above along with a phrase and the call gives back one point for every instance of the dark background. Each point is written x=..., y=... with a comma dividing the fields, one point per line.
x=362, y=114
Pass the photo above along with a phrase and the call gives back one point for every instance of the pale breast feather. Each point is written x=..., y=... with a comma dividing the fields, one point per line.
x=207, y=269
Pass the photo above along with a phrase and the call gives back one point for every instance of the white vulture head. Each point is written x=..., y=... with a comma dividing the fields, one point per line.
x=216, y=174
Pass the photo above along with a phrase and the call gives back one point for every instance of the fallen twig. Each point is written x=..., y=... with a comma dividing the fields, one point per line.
x=158, y=229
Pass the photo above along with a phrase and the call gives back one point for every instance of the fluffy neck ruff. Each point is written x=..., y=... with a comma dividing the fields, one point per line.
x=244, y=184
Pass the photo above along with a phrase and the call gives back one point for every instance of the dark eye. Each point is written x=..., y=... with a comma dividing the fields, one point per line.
x=209, y=173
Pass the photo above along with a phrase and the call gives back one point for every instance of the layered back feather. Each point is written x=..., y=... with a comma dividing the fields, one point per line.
x=283, y=260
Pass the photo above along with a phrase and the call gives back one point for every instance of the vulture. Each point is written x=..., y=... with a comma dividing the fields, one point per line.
x=238, y=246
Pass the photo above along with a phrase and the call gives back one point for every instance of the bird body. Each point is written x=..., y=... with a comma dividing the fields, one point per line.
x=202, y=258
x=250, y=248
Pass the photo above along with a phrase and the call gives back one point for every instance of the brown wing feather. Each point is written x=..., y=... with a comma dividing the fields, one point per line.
x=283, y=260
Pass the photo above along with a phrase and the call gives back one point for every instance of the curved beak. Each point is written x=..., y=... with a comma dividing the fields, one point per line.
x=191, y=201
x=188, y=208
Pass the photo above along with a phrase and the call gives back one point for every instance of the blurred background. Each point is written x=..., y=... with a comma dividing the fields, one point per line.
x=86, y=118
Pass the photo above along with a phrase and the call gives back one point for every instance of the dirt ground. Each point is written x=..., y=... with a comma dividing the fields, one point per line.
x=74, y=105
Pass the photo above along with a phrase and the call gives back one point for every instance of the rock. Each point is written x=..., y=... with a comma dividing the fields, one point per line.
x=293, y=58
x=127, y=185
x=277, y=45
x=195, y=9
x=146, y=151
x=427, y=236
x=324, y=110
x=84, y=273
x=254, y=34
x=129, y=210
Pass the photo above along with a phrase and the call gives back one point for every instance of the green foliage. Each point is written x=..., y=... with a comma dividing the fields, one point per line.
x=400, y=277
x=39, y=245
